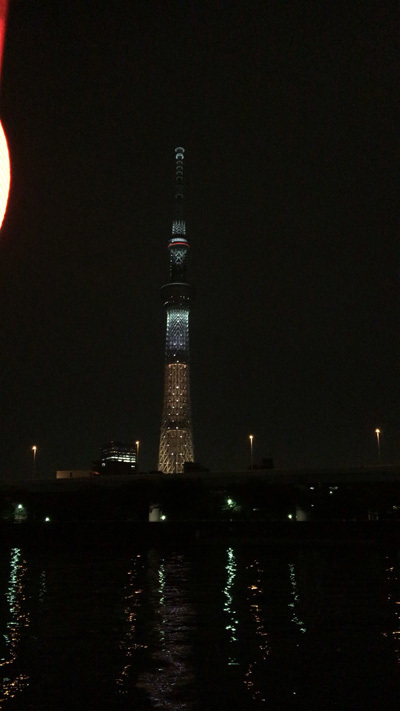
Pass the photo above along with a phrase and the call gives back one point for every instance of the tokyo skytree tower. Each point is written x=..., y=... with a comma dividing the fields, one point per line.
x=176, y=441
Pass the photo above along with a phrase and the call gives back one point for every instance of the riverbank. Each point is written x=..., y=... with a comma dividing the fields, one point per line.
x=81, y=534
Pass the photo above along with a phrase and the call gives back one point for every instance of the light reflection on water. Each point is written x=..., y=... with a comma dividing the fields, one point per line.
x=295, y=600
x=43, y=586
x=254, y=597
x=229, y=608
x=172, y=616
x=222, y=628
x=13, y=680
x=392, y=573
x=133, y=599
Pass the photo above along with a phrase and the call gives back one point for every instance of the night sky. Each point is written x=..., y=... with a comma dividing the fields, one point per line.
x=287, y=114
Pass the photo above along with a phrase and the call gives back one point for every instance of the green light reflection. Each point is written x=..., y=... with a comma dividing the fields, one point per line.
x=12, y=685
x=231, y=627
x=295, y=600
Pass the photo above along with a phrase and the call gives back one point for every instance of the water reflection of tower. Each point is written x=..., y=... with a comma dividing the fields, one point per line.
x=172, y=623
x=176, y=440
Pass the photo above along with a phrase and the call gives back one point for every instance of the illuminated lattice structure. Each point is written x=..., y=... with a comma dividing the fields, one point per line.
x=176, y=441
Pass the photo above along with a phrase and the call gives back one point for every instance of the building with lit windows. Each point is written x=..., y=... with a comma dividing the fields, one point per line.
x=176, y=439
x=117, y=458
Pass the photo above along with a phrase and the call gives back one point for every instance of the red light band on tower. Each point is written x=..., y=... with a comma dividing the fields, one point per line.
x=178, y=243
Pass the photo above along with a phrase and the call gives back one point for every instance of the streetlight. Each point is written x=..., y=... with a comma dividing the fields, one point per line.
x=378, y=432
x=137, y=455
x=251, y=437
x=34, y=450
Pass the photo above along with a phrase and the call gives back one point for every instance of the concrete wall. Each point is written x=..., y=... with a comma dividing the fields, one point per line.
x=76, y=474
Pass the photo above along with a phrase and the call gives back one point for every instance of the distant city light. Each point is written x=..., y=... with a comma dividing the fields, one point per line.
x=290, y=516
x=163, y=517
x=20, y=507
x=378, y=433
x=251, y=437
x=47, y=519
x=34, y=450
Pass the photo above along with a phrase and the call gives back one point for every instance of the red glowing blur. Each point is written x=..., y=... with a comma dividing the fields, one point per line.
x=3, y=23
x=5, y=169
x=5, y=174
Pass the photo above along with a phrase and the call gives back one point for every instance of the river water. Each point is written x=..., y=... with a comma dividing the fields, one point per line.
x=206, y=627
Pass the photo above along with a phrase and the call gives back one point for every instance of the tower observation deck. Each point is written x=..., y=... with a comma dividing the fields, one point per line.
x=176, y=440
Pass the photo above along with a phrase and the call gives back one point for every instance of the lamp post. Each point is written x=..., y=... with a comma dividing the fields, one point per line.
x=251, y=437
x=34, y=450
x=137, y=455
x=378, y=433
